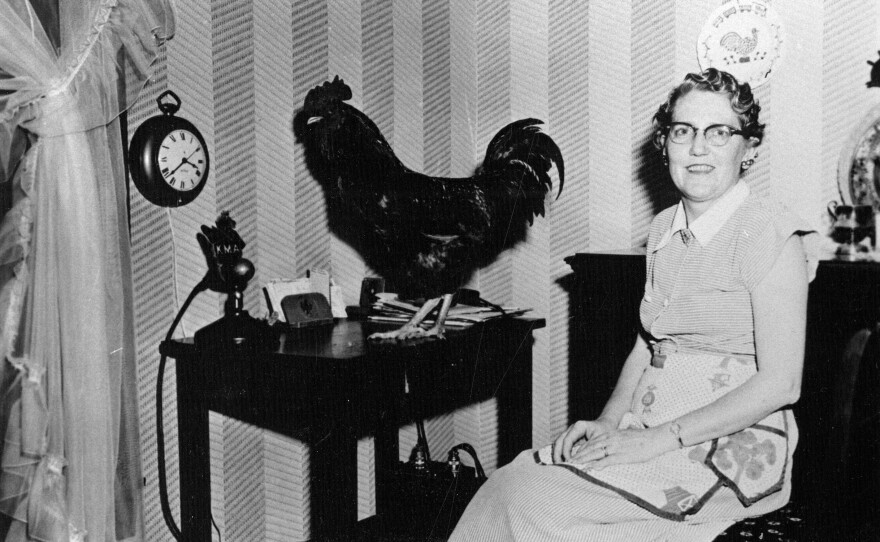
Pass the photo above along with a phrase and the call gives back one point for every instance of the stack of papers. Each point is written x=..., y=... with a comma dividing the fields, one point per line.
x=388, y=308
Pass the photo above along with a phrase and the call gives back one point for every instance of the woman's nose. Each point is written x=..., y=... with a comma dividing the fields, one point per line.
x=699, y=145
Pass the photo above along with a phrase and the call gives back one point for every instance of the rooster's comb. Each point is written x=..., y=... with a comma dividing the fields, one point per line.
x=329, y=91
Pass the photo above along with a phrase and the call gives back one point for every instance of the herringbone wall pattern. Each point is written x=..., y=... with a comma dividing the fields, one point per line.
x=440, y=77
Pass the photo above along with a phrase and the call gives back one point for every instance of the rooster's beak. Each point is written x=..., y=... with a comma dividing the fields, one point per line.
x=313, y=120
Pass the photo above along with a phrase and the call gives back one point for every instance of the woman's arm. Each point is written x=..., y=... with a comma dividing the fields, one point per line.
x=617, y=405
x=620, y=401
x=779, y=305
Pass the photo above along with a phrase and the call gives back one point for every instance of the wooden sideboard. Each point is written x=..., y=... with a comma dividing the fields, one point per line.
x=836, y=463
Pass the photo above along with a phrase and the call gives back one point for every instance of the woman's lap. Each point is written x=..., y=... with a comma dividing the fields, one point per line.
x=527, y=501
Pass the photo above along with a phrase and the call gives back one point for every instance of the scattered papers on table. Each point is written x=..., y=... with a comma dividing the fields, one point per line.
x=388, y=308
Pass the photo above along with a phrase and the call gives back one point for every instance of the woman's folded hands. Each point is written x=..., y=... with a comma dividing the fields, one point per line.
x=598, y=444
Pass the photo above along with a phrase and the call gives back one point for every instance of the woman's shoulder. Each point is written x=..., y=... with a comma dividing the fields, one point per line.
x=762, y=227
x=662, y=221
x=758, y=214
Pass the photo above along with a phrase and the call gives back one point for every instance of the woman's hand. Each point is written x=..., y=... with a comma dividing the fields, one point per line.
x=578, y=430
x=625, y=446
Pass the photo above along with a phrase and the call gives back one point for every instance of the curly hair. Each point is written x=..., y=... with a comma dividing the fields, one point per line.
x=742, y=101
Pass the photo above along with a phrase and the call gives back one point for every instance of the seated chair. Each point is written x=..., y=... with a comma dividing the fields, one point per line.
x=784, y=525
x=844, y=512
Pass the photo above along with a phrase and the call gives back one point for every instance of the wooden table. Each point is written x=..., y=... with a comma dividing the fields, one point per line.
x=329, y=387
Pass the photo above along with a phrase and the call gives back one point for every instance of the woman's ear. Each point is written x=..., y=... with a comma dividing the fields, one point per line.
x=752, y=149
x=748, y=158
x=659, y=140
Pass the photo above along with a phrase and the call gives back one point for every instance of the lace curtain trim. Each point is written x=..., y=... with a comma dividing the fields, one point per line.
x=101, y=19
x=22, y=215
x=62, y=83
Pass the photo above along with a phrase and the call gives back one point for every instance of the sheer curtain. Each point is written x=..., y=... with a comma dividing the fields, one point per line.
x=69, y=459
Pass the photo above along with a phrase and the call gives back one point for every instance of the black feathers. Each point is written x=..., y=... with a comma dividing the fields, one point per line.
x=424, y=234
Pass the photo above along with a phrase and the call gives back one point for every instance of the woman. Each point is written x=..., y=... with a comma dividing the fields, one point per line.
x=697, y=433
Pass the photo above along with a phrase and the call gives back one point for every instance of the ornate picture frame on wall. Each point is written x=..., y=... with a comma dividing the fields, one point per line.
x=858, y=169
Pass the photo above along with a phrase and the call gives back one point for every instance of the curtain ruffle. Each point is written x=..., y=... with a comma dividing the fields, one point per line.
x=88, y=71
x=64, y=304
x=15, y=243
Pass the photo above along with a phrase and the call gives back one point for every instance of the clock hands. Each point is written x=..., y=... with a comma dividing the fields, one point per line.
x=185, y=160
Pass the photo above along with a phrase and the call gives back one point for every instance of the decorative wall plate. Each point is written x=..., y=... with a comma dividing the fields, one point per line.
x=744, y=38
x=858, y=171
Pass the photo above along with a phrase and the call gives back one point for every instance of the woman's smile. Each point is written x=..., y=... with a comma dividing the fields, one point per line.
x=700, y=168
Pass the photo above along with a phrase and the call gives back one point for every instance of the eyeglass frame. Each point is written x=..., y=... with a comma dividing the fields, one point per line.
x=693, y=133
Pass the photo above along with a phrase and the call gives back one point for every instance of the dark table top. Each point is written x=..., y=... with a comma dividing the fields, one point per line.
x=345, y=339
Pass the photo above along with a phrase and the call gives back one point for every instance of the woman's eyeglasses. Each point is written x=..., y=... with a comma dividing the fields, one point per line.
x=716, y=135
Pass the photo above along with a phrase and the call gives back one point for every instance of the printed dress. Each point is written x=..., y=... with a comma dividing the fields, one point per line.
x=697, y=314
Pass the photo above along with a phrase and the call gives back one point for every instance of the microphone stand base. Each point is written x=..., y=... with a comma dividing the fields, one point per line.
x=237, y=332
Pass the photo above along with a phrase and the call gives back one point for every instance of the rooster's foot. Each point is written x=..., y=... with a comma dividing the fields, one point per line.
x=408, y=332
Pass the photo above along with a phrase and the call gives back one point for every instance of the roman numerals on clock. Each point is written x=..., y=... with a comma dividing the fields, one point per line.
x=182, y=158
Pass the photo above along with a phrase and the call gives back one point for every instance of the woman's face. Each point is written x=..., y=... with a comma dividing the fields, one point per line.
x=703, y=172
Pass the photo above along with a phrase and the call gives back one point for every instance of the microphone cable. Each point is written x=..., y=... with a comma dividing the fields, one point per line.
x=160, y=430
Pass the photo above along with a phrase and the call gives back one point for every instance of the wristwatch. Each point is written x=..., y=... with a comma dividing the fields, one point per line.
x=675, y=429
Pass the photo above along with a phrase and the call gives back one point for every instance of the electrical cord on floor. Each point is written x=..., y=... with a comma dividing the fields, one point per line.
x=160, y=430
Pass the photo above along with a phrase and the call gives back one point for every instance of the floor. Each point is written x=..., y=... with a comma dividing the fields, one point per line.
x=373, y=530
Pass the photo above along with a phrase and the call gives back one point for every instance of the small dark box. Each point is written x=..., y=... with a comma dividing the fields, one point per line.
x=371, y=286
x=303, y=310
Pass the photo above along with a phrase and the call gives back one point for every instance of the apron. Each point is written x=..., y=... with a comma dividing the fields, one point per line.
x=751, y=462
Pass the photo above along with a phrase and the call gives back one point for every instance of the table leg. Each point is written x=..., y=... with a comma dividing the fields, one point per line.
x=195, y=465
x=514, y=398
x=386, y=444
x=333, y=480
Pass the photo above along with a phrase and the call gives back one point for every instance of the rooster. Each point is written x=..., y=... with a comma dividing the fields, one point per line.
x=741, y=45
x=425, y=235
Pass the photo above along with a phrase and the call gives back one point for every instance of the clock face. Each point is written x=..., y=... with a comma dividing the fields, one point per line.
x=182, y=160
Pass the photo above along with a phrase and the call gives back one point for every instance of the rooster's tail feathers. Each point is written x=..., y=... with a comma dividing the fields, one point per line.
x=523, y=142
x=523, y=154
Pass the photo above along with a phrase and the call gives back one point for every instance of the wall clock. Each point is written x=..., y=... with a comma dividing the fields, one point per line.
x=168, y=158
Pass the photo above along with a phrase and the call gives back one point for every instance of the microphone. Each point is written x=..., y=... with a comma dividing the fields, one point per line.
x=229, y=272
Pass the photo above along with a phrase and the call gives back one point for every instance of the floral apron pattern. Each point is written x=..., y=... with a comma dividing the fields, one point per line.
x=751, y=462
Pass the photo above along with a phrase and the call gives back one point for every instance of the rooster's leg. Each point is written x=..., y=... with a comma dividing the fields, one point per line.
x=411, y=328
x=438, y=328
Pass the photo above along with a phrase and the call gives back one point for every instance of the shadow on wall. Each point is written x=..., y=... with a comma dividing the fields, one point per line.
x=604, y=295
x=653, y=176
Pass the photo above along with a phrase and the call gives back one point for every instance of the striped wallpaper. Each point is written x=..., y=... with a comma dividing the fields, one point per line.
x=440, y=77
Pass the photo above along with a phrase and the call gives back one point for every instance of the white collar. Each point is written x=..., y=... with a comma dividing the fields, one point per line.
x=707, y=224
